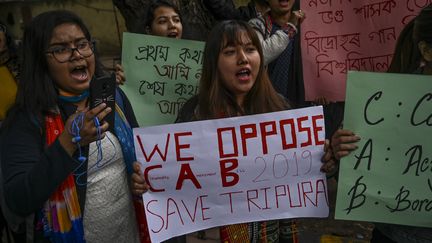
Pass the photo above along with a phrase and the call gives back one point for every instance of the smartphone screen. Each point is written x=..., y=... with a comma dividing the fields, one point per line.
x=102, y=90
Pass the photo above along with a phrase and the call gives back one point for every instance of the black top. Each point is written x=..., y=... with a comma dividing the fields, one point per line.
x=225, y=10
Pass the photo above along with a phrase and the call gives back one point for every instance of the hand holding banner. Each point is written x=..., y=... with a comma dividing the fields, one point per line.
x=162, y=73
x=389, y=177
x=218, y=172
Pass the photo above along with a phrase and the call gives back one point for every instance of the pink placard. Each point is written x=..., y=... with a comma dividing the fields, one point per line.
x=342, y=35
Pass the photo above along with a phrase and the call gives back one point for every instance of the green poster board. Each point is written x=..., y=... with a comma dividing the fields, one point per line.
x=161, y=75
x=389, y=177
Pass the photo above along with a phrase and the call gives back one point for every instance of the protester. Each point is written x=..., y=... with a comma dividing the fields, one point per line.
x=278, y=33
x=9, y=71
x=163, y=19
x=56, y=152
x=404, y=56
x=234, y=83
x=9, y=74
x=422, y=37
x=344, y=141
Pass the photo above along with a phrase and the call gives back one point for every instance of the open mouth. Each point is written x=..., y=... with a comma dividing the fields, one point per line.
x=284, y=3
x=243, y=74
x=79, y=73
x=172, y=35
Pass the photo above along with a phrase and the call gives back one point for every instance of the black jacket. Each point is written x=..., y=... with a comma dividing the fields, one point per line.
x=225, y=10
x=32, y=171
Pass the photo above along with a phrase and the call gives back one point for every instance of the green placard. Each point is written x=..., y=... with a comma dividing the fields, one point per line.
x=389, y=177
x=161, y=75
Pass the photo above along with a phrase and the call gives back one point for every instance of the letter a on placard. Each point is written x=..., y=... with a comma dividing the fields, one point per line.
x=367, y=148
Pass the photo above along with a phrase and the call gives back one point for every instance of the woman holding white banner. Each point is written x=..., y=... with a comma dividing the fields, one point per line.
x=413, y=54
x=234, y=83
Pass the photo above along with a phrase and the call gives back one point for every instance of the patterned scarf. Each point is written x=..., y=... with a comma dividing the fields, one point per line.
x=62, y=220
x=124, y=134
x=284, y=230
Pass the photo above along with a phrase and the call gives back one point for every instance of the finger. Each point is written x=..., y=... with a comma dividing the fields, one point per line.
x=103, y=129
x=298, y=15
x=326, y=145
x=93, y=112
x=137, y=178
x=326, y=157
x=343, y=132
x=118, y=79
x=301, y=13
x=139, y=186
x=347, y=147
x=99, y=133
x=344, y=147
x=340, y=154
x=328, y=167
x=137, y=192
x=119, y=67
x=351, y=140
x=136, y=167
x=103, y=113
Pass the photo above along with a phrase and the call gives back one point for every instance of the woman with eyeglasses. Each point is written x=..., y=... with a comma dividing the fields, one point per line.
x=59, y=161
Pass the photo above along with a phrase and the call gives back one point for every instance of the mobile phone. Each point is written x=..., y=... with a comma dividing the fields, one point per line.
x=102, y=90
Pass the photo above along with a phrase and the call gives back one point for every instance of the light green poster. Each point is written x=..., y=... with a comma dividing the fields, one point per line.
x=389, y=177
x=161, y=75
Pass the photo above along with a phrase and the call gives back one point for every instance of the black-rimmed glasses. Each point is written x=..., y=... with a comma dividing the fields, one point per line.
x=63, y=53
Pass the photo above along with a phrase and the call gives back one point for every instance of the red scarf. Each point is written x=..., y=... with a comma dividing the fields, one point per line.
x=62, y=214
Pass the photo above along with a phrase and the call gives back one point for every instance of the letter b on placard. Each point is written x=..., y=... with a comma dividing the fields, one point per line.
x=226, y=168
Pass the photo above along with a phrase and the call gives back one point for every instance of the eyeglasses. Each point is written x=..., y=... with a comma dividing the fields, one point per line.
x=63, y=54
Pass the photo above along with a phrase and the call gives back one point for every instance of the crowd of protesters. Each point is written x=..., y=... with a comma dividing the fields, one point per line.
x=56, y=187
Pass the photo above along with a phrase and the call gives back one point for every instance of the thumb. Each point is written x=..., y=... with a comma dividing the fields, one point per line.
x=136, y=167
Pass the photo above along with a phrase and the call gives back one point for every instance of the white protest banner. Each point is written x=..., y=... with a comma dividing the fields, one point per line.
x=226, y=171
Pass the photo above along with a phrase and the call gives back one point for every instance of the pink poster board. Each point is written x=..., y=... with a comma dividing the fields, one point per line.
x=342, y=35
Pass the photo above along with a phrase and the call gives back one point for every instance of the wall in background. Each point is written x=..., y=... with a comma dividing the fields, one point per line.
x=98, y=15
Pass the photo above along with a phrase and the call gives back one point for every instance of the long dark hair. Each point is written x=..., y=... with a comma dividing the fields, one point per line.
x=406, y=53
x=423, y=26
x=407, y=56
x=37, y=94
x=214, y=98
x=423, y=31
x=153, y=6
x=11, y=47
